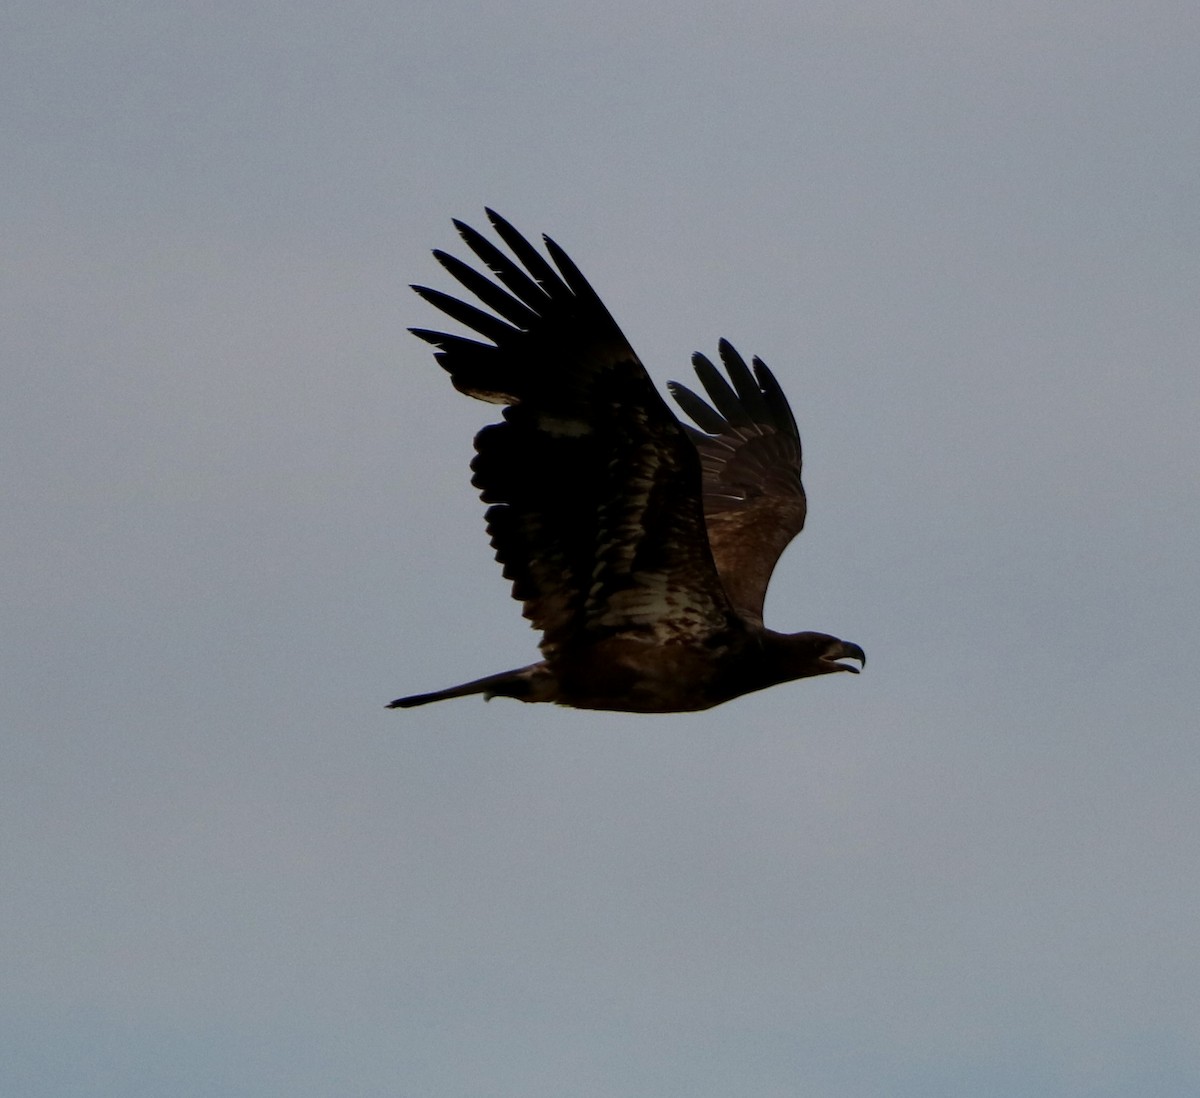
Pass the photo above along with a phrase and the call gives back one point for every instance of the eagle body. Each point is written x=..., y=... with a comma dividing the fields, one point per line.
x=631, y=675
x=639, y=546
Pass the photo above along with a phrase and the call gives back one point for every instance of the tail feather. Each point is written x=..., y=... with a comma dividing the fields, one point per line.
x=532, y=683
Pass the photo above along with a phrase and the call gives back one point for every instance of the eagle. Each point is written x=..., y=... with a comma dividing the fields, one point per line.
x=638, y=545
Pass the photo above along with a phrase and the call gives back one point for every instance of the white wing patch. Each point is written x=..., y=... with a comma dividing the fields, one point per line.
x=654, y=602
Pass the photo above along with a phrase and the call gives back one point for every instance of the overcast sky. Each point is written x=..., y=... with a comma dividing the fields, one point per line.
x=238, y=521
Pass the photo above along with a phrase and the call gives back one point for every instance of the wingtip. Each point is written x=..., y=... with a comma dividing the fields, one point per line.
x=499, y=222
x=428, y=335
x=466, y=232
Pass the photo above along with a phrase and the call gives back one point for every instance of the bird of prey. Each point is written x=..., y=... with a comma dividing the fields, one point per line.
x=639, y=546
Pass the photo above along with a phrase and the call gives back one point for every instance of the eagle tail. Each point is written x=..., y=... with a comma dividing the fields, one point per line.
x=534, y=683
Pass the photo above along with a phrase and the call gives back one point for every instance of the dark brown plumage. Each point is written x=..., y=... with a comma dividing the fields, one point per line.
x=640, y=547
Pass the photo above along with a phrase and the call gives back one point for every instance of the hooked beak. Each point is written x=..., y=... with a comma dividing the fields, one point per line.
x=845, y=650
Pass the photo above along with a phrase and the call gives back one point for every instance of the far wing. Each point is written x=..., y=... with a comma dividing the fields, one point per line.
x=750, y=452
x=594, y=489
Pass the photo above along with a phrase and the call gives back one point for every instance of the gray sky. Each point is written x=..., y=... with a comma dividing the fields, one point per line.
x=966, y=237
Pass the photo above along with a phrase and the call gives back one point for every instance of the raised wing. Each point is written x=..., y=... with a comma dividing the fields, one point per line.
x=750, y=452
x=594, y=489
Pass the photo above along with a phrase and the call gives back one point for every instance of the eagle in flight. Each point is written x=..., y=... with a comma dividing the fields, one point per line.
x=639, y=546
